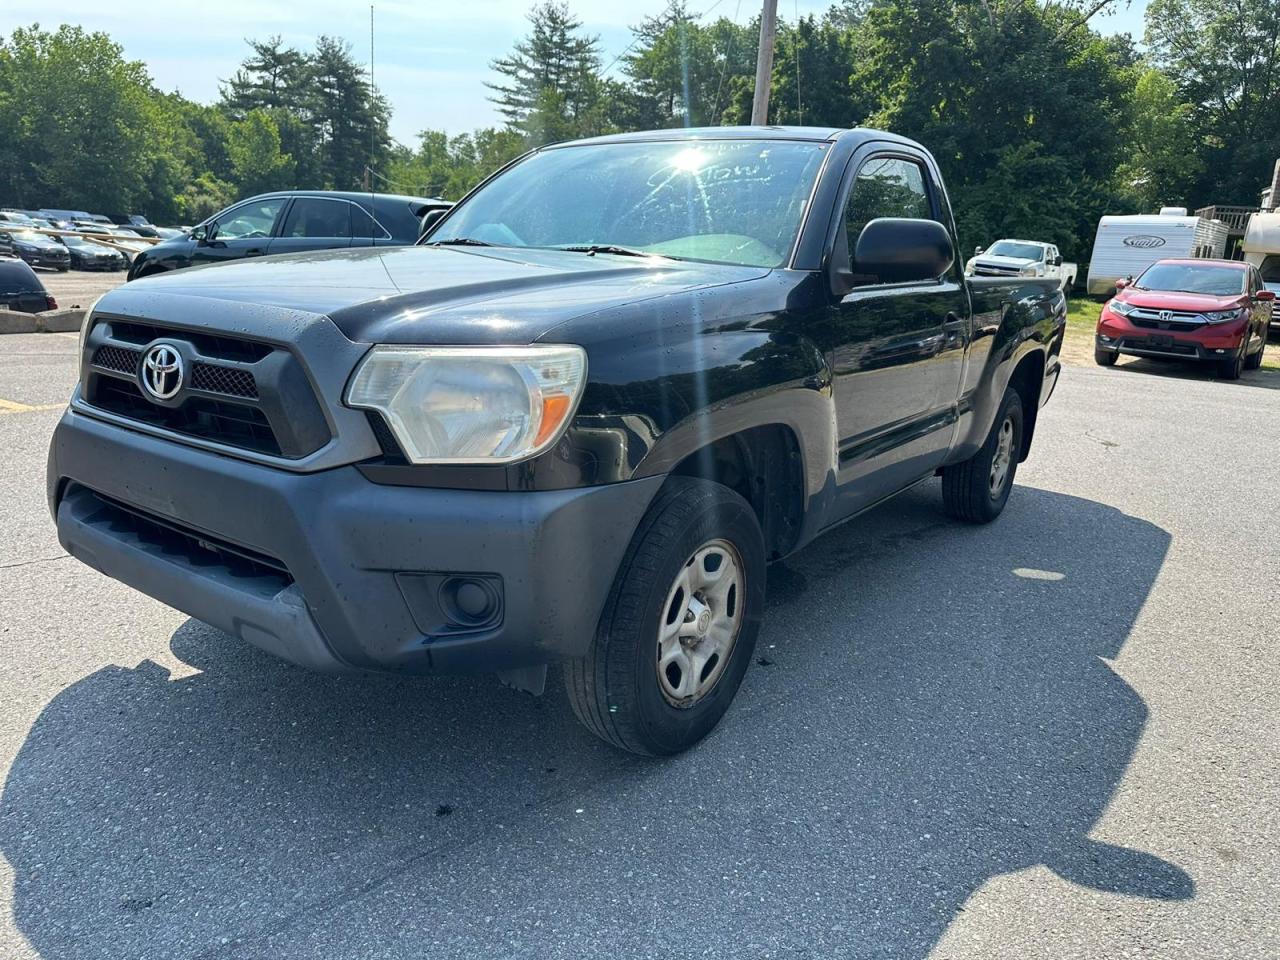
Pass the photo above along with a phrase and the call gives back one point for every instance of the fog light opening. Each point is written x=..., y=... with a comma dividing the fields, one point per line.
x=469, y=601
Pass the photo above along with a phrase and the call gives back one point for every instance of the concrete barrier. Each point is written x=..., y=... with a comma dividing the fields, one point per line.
x=51, y=321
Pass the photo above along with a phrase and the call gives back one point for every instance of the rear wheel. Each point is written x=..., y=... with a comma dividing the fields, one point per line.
x=1105, y=358
x=680, y=625
x=977, y=489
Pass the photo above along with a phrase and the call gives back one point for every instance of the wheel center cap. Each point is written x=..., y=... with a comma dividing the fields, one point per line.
x=704, y=621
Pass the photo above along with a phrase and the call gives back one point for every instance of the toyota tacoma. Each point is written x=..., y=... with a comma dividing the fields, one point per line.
x=573, y=425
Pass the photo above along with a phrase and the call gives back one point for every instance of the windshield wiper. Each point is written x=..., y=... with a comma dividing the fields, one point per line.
x=460, y=242
x=591, y=249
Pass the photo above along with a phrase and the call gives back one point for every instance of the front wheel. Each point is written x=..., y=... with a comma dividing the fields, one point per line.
x=1105, y=358
x=1255, y=359
x=1231, y=367
x=977, y=489
x=680, y=624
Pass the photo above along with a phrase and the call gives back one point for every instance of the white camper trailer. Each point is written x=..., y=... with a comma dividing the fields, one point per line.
x=1261, y=247
x=1125, y=246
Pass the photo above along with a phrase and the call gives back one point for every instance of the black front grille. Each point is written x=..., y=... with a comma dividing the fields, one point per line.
x=234, y=424
x=175, y=539
x=232, y=381
x=1174, y=326
x=119, y=359
x=238, y=393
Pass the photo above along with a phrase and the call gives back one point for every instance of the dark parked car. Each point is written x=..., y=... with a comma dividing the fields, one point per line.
x=36, y=249
x=291, y=222
x=87, y=255
x=575, y=424
x=21, y=289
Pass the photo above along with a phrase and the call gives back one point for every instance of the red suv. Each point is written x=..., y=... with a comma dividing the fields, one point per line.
x=1215, y=310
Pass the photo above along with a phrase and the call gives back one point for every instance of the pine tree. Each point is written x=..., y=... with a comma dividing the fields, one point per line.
x=551, y=88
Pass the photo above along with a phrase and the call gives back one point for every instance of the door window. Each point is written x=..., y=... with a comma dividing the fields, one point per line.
x=316, y=218
x=886, y=187
x=252, y=220
x=364, y=227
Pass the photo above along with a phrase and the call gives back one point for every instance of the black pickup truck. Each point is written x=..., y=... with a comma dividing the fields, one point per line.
x=574, y=424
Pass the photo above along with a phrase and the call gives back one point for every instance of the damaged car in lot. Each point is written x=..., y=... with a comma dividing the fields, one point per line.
x=573, y=425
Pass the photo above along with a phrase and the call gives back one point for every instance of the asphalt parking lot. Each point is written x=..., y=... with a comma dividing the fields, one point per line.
x=1054, y=737
x=79, y=288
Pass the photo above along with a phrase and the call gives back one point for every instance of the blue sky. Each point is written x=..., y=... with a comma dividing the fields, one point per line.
x=432, y=56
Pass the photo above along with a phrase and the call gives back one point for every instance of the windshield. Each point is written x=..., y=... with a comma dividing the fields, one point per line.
x=1019, y=251
x=725, y=201
x=1194, y=278
x=26, y=236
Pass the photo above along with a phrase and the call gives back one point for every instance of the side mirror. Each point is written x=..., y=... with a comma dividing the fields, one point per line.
x=1057, y=261
x=977, y=251
x=201, y=235
x=430, y=219
x=1121, y=284
x=1266, y=296
x=891, y=250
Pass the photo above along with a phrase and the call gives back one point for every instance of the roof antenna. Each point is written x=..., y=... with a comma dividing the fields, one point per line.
x=373, y=126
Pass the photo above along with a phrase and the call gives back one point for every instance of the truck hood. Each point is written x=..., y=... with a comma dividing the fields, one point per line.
x=1188, y=302
x=997, y=261
x=430, y=294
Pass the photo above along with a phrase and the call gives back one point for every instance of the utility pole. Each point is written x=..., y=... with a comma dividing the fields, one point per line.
x=764, y=63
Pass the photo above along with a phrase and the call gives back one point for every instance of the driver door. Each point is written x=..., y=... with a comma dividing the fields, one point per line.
x=241, y=231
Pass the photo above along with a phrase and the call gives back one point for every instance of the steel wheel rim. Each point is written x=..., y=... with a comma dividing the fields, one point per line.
x=1003, y=458
x=700, y=623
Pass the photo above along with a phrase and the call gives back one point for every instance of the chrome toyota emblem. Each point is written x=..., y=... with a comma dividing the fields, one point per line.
x=162, y=371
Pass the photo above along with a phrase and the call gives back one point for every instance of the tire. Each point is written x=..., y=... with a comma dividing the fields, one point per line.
x=1105, y=358
x=1254, y=360
x=1231, y=367
x=617, y=690
x=970, y=490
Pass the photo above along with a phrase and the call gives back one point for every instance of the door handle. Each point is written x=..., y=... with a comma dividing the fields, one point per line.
x=255, y=252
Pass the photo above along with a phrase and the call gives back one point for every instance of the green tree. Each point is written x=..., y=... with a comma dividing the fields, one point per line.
x=348, y=115
x=551, y=87
x=1024, y=108
x=272, y=77
x=682, y=73
x=1224, y=56
x=75, y=120
x=256, y=160
x=1159, y=168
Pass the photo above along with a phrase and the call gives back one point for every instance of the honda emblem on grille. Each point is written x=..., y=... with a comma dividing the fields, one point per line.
x=162, y=371
x=1166, y=316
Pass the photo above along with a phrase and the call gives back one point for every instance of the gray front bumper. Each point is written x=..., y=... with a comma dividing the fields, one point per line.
x=355, y=551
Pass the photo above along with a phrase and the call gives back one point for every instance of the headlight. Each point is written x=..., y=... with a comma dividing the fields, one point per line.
x=84, y=326
x=1120, y=307
x=1028, y=271
x=472, y=404
x=1222, y=316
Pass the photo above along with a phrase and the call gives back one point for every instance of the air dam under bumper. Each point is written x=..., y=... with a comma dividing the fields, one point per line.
x=334, y=572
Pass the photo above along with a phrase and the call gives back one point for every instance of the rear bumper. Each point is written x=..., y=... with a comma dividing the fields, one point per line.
x=336, y=573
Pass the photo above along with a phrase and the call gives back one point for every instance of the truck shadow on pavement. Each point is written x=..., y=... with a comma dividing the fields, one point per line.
x=932, y=707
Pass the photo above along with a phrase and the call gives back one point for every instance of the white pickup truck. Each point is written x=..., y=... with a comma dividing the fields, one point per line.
x=1022, y=258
